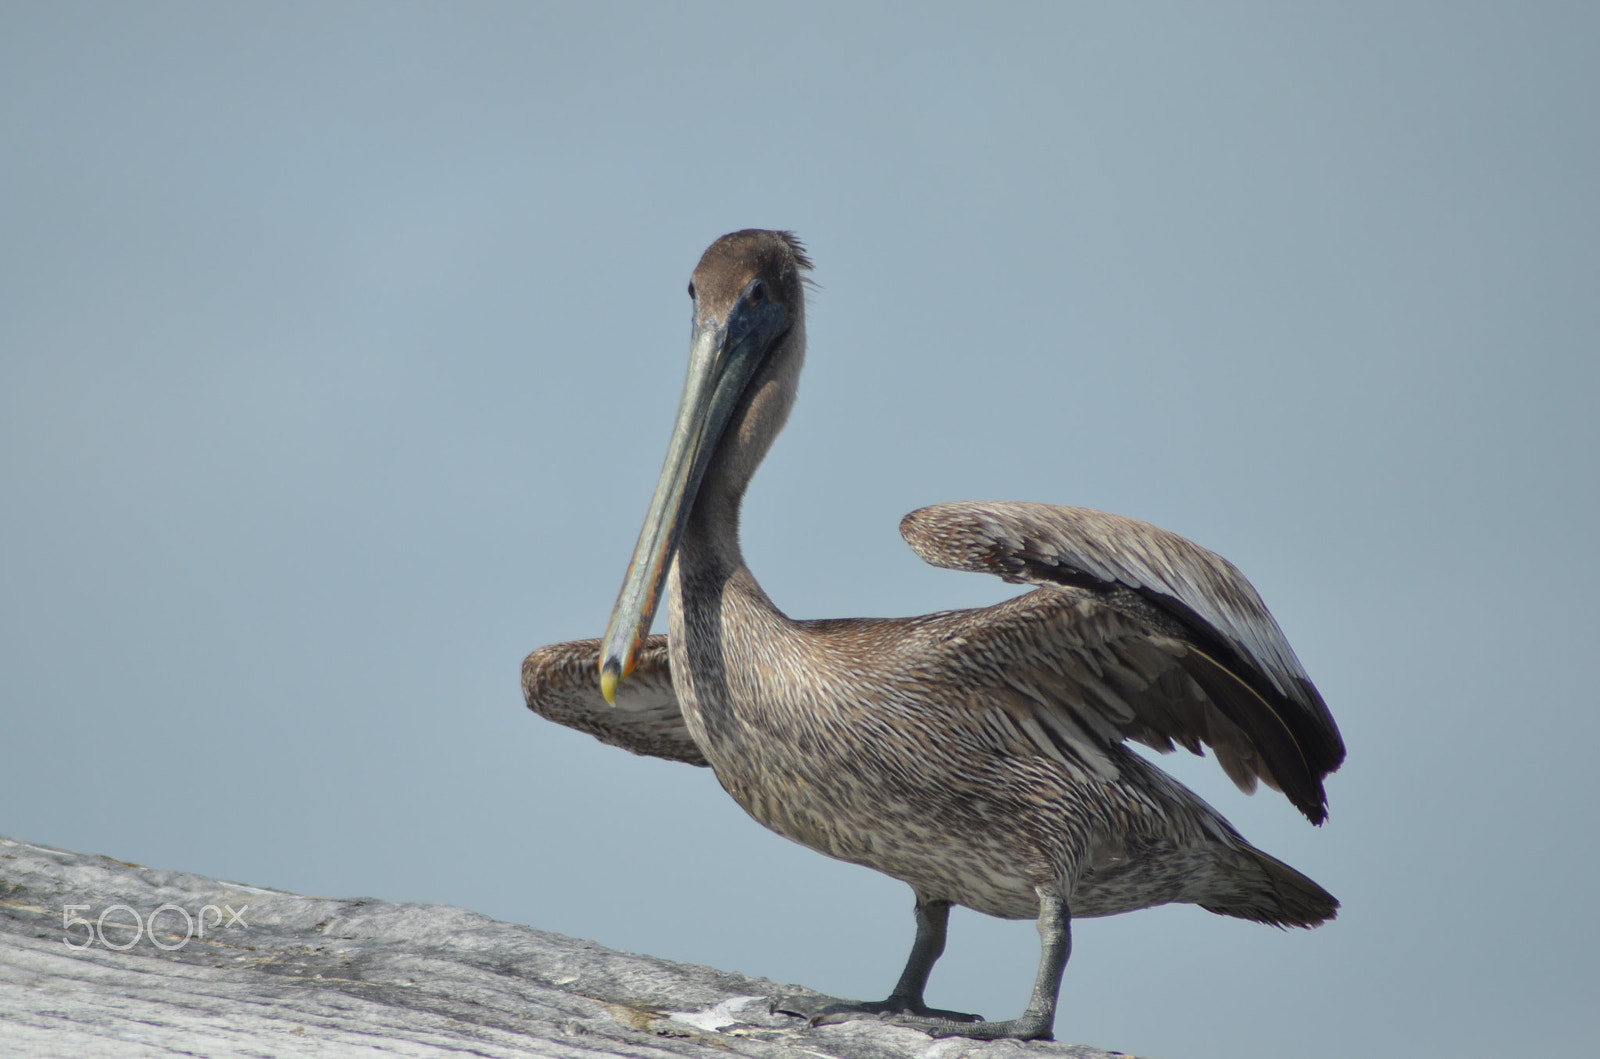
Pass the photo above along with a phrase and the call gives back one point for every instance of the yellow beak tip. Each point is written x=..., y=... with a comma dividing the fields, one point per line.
x=608, y=685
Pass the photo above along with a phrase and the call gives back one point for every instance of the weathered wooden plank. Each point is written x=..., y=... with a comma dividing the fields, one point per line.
x=279, y=974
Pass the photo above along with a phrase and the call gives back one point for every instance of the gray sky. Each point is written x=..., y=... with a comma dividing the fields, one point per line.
x=339, y=345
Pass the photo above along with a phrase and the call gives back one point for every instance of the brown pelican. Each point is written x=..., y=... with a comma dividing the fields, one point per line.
x=978, y=755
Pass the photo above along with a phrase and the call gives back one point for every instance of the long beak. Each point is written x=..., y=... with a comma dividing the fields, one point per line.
x=723, y=358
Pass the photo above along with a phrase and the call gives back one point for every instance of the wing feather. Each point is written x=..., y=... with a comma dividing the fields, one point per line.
x=1146, y=636
x=561, y=683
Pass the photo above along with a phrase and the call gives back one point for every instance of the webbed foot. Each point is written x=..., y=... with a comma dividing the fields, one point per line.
x=829, y=1011
x=1027, y=1028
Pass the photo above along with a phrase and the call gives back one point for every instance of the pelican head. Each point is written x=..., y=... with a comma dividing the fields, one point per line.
x=745, y=352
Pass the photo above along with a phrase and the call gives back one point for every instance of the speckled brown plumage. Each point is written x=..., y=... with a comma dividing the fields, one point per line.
x=977, y=755
x=558, y=681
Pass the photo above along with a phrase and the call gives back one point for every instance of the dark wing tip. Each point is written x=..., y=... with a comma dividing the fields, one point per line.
x=1249, y=670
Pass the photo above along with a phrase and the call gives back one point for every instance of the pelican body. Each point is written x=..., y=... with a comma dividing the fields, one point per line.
x=977, y=755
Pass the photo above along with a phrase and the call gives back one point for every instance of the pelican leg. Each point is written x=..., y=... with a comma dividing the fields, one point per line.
x=933, y=918
x=1038, y=1021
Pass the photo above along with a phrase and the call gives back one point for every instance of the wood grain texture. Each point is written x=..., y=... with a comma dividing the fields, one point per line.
x=310, y=976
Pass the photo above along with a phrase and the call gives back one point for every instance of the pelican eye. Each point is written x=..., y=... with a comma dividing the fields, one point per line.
x=691, y=288
x=757, y=291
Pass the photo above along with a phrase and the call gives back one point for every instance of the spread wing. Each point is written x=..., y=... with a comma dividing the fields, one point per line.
x=1158, y=640
x=561, y=682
